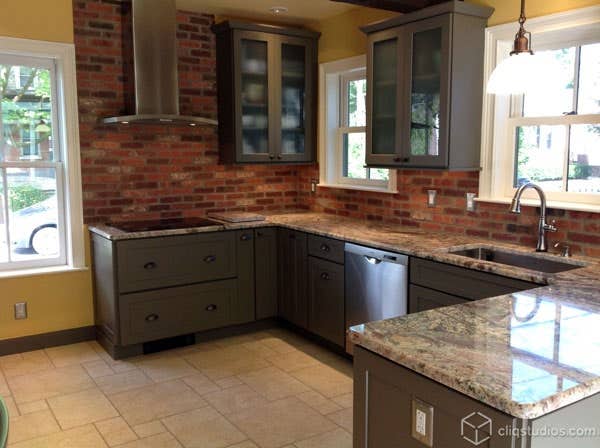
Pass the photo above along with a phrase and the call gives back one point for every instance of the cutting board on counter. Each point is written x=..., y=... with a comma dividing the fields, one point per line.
x=237, y=216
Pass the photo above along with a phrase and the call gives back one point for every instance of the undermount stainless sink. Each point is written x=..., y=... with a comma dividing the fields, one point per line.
x=515, y=259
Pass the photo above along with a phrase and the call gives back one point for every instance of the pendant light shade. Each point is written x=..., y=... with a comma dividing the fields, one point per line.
x=519, y=73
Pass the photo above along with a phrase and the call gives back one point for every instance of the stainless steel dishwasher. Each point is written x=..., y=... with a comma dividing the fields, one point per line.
x=376, y=285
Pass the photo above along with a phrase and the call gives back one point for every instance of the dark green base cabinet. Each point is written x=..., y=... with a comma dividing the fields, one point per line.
x=155, y=288
x=387, y=395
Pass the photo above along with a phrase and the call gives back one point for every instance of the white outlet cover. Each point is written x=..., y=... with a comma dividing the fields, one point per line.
x=421, y=423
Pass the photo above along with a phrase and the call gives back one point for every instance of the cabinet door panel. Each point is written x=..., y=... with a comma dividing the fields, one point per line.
x=326, y=300
x=266, y=272
x=422, y=299
x=293, y=264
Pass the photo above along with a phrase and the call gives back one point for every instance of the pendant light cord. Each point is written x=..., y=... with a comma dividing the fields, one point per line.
x=522, y=17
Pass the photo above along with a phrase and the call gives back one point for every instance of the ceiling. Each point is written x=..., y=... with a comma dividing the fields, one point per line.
x=299, y=11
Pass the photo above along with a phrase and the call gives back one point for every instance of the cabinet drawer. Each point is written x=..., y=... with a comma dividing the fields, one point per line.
x=176, y=260
x=463, y=282
x=326, y=248
x=147, y=316
x=422, y=299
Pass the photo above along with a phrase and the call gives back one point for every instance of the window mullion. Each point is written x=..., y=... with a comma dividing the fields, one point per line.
x=576, y=80
x=6, y=214
x=567, y=155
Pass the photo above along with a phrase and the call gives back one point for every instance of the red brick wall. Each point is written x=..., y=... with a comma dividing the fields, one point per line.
x=138, y=171
x=409, y=208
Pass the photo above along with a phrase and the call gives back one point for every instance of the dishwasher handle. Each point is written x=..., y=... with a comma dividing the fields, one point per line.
x=375, y=256
x=372, y=260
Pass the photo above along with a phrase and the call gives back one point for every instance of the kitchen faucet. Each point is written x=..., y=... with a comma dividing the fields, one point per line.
x=543, y=227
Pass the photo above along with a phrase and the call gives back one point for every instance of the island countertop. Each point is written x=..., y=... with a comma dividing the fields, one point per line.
x=526, y=354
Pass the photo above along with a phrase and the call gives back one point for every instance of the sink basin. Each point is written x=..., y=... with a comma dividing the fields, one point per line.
x=515, y=259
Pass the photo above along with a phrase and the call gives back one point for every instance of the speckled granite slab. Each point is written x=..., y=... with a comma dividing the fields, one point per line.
x=526, y=354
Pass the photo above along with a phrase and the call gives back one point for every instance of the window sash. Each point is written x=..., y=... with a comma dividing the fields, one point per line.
x=373, y=183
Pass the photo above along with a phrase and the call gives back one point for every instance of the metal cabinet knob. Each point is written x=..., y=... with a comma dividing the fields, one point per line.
x=279, y=156
x=325, y=276
x=401, y=159
x=151, y=317
x=150, y=265
x=245, y=237
x=325, y=248
x=210, y=259
x=271, y=156
x=211, y=307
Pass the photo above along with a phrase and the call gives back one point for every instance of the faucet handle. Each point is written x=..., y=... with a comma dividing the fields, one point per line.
x=551, y=227
x=565, y=249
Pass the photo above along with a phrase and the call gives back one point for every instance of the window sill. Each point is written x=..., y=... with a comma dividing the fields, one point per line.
x=41, y=271
x=359, y=188
x=580, y=207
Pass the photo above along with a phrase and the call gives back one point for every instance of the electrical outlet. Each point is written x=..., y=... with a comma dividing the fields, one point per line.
x=422, y=422
x=21, y=310
x=431, y=198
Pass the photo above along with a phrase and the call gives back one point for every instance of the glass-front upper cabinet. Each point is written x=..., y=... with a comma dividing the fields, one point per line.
x=266, y=90
x=425, y=79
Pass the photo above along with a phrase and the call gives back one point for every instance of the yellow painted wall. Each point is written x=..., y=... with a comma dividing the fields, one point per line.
x=37, y=19
x=55, y=301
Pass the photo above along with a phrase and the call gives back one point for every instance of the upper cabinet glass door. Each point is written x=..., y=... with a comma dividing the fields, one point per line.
x=254, y=86
x=384, y=97
x=293, y=97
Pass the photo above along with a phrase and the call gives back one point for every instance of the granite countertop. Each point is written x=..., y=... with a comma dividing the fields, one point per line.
x=526, y=354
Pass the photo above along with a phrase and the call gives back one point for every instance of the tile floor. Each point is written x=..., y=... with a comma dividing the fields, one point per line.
x=270, y=389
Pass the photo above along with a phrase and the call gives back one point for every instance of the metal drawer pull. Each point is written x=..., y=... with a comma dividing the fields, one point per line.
x=150, y=265
x=210, y=259
x=245, y=237
x=324, y=247
x=372, y=260
x=151, y=317
x=211, y=307
x=325, y=276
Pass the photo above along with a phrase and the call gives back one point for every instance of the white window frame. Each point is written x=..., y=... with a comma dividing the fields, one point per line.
x=60, y=58
x=575, y=27
x=333, y=79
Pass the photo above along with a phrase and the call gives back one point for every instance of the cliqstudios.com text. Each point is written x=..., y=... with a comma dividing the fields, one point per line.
x=549, y=431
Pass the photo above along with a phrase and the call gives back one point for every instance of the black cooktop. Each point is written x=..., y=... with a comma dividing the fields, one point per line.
x=163, y=224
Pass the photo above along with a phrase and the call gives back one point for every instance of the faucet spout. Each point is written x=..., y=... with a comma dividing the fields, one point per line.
x=543, y=227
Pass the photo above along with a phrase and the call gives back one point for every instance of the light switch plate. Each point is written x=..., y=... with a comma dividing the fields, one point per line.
x=21, y=310
x=422, y=422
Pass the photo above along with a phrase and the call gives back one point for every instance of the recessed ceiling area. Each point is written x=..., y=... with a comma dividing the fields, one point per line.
x=297, y=11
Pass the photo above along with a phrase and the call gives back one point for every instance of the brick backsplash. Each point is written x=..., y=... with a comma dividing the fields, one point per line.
x=141, y=172
x=146, y=172
x=409, y=208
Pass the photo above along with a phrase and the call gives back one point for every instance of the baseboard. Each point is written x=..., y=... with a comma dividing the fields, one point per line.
x=45, y=340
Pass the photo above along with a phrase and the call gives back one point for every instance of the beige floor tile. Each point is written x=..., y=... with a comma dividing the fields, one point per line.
x=164, y=440
x=121, y=382
x=226, y=362
x=164, y=369
x=234, y=340
x=66, y=355
x=32, y=425
x=115, y=431
x=81, y=408
x=345, y=401
x=318, y=402
x=149, y=429
x=11, y=406
x=325, y=380
x=155, y=401
x=82, y=437
x=246, y=444
x=281, y=422
x=234, y=399
x=279, y=345
x=273, y=383
x=49, y=383
x=97, y=369
x=33, y=406
x=334, y=439
x=203, y=428
x=4, y=390
x=25, y=363
x=293, y=360
x=259, y=349
x=201, y=384
x=342, y=418
x=231, y=381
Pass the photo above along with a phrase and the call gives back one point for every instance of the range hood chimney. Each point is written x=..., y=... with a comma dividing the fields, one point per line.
x=155, y=67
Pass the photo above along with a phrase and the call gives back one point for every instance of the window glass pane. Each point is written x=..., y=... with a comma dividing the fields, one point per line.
x=589, y=80
x=540, y=152
x=354, y=155
x=584, y=159
x=556, y=96
x=357, y=103
x=293, y=82
x=26, y=114
x=379, y=174
x=33, y=213
x=3, y=238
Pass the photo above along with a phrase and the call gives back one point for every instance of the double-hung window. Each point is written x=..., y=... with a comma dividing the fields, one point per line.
x=551, y=135
x=342, y=146
x=40, y=197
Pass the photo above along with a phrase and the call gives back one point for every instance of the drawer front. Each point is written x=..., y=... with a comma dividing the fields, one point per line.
x=326, y=248
x=176, y=260
x=148, y=316
x=422, y=299
x=463, y=282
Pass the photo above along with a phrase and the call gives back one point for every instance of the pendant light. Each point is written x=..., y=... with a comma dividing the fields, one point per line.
x=519, y=72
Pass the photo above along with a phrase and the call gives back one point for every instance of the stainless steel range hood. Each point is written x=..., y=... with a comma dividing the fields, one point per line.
x=155, y=67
